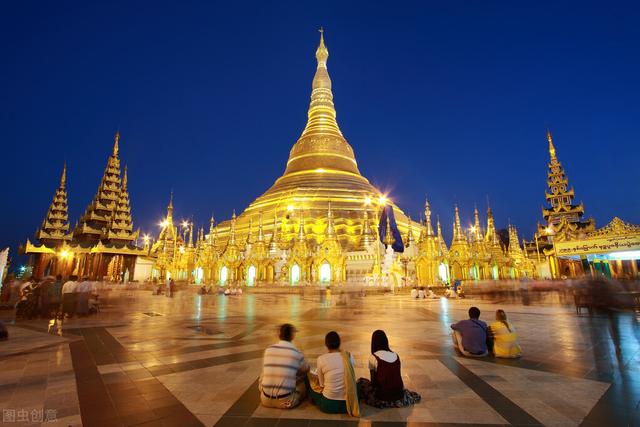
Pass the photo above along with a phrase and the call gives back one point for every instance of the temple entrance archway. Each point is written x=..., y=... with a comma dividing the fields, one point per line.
x=295, y=274
x=224, y=275
x=251, y=275
x=325, y=272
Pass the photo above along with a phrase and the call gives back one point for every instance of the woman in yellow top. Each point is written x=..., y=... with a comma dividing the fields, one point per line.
x=505, y=339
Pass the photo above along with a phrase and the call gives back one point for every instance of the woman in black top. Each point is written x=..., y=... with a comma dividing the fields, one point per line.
x=386, y=388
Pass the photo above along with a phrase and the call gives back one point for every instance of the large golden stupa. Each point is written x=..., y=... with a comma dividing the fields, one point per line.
x=321, y=170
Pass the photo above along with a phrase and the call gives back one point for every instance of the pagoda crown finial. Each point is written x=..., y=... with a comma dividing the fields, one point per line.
x=170, y=207
x=322, y=53
x=116, y=141
x=552, y=149
x=427, y=214
x=63, y=177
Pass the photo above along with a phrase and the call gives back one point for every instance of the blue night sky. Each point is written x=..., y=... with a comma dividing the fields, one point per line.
x=450, y=99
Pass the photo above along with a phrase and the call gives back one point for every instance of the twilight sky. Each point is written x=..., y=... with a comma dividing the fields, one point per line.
x=450, y=99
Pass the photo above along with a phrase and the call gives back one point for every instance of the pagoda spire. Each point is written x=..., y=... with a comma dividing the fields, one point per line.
x=410, y=239
x=260, y=229
x=552, y=149
x=441, y=242
x=232, y=237
x=273, y=241
x=116, y=141
x=170, y=208
x=427, y=215
x=121, y=226
x=63, y=177
x=458, y=234
x=560, y=196
x=477, y=230
x=95, y=224
x=330, y=228
x=322, y=113
x=301, y=234
x=491, y=236
x=321, y=145
x=388, y=238
x=55, y=227
x=211, y=227
x=250, y=233
x=367, y=235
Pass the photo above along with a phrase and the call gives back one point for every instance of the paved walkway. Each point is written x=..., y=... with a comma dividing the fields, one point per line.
x=194, y=360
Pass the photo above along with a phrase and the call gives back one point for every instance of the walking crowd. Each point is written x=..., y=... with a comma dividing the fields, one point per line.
x=287, y=378
x=51, y=297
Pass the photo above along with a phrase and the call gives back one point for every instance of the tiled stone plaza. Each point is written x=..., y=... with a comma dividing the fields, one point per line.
x=195, y=360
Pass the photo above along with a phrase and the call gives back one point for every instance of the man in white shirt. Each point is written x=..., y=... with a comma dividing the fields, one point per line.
x=69, y=296
x=414, y=293
x=281, y=385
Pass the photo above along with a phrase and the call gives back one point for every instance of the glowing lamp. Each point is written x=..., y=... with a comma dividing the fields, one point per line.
x=185, y=224
x=382, y=200
x=367, y=201
x=290, y=208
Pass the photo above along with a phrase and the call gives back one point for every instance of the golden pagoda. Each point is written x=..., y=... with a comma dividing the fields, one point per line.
x=321, y=169
x=322, y=218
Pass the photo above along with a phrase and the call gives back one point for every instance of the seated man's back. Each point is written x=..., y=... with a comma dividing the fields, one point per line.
x=474, y=335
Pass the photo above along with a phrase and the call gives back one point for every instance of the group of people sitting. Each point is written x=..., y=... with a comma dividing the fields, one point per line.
x=51, y=296
x=474, y=338
x=210, y=290
x=287, y=379
x=420, y=293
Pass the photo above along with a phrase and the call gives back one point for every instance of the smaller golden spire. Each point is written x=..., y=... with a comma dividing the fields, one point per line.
x=552, y=149
x=388, y=238
x=232, y=237
x=115, y=144
x=427, y=214
x=260, y=231
x=125, y=179
x=301, y=234
x=63, y=177
x=250, y=233
x=170, y=207
x=330, y=228
x=273, y=242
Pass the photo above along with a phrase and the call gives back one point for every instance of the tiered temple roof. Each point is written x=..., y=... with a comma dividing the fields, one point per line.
x=55, y=227
x=108, y=219
x=560, y=196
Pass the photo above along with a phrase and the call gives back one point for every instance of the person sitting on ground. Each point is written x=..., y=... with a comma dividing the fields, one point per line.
x=386, y=388
x=227, y=292
x=504, y=337
x=421, y=294
x=333, y=390
x=69, y=296
x=431, y=294
x=282, y=383
x=470, y=336
x=414, y=293
x=239, y=291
